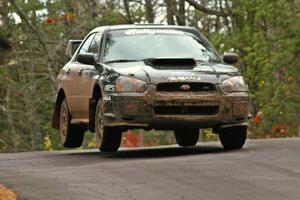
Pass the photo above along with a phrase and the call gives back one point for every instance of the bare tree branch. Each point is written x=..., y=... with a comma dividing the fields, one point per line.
x=225, y=18
x=128, y=15
x=206, y=10
x=26, y=21
x=39, y=38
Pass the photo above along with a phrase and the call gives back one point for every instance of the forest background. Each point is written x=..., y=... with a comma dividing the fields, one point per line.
x=264, y=33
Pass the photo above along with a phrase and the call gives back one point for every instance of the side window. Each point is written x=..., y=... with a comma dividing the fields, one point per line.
x=85, y=47
x=95, y=45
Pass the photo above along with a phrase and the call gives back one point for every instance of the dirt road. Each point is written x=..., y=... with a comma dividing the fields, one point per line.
x=264, y=169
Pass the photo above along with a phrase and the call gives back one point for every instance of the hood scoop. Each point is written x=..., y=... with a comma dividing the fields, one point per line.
x=171, y=63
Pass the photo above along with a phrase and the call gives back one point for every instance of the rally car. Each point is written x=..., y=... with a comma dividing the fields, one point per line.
x=149, y=77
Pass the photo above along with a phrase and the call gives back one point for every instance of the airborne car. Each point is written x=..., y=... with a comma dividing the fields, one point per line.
x=151, y=77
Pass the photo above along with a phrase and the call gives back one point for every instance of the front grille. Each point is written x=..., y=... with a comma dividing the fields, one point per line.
x=193, y=87
x=186, y=110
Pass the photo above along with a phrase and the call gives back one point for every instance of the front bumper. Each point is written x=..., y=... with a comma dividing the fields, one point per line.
x=171, y=110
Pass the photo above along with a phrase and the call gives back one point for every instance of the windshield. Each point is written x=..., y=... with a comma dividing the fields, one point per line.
x=140, y=44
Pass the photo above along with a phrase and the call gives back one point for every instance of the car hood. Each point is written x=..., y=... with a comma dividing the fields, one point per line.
x=204, y=72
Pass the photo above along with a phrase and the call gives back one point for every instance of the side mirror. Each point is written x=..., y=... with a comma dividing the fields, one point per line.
x=86, y=58
x=230, y=58
x=72, y=47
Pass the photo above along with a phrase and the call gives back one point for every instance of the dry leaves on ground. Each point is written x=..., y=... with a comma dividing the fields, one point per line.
x=6, y=194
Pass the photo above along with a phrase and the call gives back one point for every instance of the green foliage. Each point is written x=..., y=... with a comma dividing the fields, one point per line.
x=264, y=33
x=158, y=138
x=207, y=135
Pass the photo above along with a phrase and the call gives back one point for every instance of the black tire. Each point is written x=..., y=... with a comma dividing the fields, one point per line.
x=71, y=135
x=186, y=138
x=108, y=139
x=233, y=137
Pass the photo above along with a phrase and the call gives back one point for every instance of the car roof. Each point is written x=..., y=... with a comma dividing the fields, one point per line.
x=142, y=26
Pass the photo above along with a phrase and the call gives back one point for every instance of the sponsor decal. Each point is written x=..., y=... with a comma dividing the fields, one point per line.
x=152, y=31
x=109, y=88
x=184, y=78
x=106, y=98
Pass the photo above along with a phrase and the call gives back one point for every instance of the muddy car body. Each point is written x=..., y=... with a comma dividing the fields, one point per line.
x=150, y=77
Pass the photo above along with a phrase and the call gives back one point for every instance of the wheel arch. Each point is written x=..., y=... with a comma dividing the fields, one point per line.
x=96, y=95
x=56, y=111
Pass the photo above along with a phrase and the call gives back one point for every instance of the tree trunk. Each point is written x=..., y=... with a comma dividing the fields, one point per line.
x=4, y=44
x=3, y=12
x=149, y=11
x=13, y=135
x=170, y=15
x=93, y=6
x=128, y=15
x=180, y=15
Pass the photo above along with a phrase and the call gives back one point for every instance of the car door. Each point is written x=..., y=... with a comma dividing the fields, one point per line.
x=87, y=77
x=74, y=72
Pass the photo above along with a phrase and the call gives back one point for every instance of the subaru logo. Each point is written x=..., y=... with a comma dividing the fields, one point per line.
x=185, y=87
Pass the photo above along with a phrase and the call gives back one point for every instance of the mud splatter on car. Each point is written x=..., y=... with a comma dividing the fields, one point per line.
x=150, y=77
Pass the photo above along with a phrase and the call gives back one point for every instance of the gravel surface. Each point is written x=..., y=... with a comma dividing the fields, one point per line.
x=264, y=169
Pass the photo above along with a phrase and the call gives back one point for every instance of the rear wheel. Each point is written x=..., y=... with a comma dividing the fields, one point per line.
x=108, y=139
x=233, y=137
x=186, y=137
x=71, y=135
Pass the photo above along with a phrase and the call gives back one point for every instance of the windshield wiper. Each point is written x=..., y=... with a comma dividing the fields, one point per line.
x=207, y=61
x=121, y=60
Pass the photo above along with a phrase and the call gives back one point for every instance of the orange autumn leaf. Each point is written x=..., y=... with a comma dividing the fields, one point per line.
x=280, y=130
x=63, y=17
x=290, y=78
x=71, y=16
x=67, y=17
x=258, y=118
x=132, y=140
x=50, y=21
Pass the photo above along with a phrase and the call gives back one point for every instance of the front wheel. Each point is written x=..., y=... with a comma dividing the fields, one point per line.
x=186, y=137
x=108, y=139
x=233, y=137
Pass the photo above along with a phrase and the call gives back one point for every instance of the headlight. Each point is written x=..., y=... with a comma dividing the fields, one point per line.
x=234, y=84
x=128, y=84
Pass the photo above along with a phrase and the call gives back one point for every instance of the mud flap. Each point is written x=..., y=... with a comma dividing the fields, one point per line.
x=92, y=111
x=55, y=117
